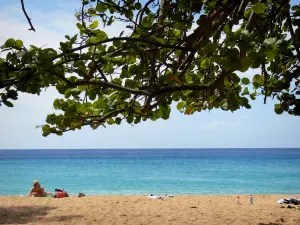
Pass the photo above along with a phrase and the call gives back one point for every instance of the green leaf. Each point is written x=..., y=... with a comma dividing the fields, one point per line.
x=118, y=120
x=8, y=103
x=19, y=44
x=12, y=94
x=46, y=130
x=92, y=11
x=244, y=64
x=56, y=104
x=129, y=119
x=63, y=46
x=111, y=48
x=130, y=83
x=92, y=40
x=210, y=48
x=10, y=43
x=91, y=94
x=129, y=15
x=138, y=6
x=79, y=26
x=109, y=68
x=245, y=81
x=180, y=26
x=117, y=43
x=51, y=119
x=73, y=39
x=182, y=4
x=164, y=110
x=227, y=29
x=253, y=96
x=272, y=54
x=246, y=34
x=257, y=78
x=130, y=59
x=101, y=36
x=110, y=21
x=147, y=21
x=94, y=24
x=224, y=104
x=259, y=8
x=180, y=105
x=99, y=104
x=101, y=7
x=278, y=109
x=246, y=91
x=270, y=41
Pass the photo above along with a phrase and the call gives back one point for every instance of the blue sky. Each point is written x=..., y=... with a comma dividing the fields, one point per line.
x=258, y=127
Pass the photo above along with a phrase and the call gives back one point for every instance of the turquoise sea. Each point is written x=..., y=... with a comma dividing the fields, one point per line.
x=157, y=171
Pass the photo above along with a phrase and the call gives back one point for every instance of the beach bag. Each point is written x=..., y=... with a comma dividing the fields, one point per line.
x=81, y=194
x=60, y=193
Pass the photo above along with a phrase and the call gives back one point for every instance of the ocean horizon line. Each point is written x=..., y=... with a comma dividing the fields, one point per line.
x=169, y=148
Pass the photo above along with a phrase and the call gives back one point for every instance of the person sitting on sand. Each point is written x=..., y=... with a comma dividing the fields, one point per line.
x=37, y=190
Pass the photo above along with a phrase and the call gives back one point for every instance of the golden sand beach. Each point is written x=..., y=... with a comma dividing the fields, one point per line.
x=138, y=210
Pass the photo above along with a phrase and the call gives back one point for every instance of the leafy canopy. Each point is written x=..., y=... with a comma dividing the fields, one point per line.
x=183, y=51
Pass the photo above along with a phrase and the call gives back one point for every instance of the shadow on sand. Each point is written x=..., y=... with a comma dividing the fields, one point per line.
x=25, y=214
x=269, y=224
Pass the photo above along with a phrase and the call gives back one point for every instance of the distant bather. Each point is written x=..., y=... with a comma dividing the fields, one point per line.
x=37, y=190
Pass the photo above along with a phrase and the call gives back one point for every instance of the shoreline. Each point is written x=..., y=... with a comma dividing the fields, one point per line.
x=174, y=194
x=139, y=209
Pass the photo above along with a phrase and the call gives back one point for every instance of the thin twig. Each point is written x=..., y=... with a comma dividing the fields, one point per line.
x=265, y=75
x=27, y=17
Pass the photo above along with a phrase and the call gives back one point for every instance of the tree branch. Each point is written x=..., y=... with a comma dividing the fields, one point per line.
x=134, y=40
x=194, y=87
x=161, y=12
x=27, y=17
x=109, y=85
x=265, y=75
x=10, y=82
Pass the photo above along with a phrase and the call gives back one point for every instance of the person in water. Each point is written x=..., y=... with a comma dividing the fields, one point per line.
x=37, y=190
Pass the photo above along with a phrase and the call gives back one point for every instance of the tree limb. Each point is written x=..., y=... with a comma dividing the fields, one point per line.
x=161, y=12
x=27, y=17
x=265, y=75
x=109, y=85
x=134, y=40
x=194, y=87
